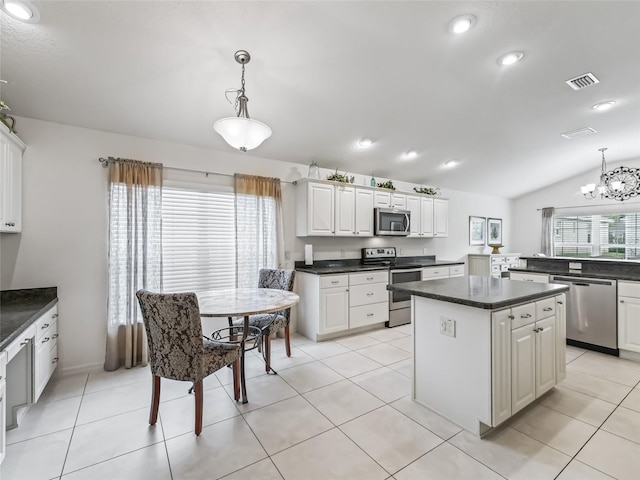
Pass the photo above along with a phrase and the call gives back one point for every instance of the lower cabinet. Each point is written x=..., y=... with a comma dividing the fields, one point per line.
x=3, y=404
x=629, y=317
x=529, y=277
x=528, y=345
x=45, y=357
x=333, y=304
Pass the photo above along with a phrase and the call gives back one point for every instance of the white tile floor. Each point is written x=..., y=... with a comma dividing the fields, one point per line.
x=337, y=409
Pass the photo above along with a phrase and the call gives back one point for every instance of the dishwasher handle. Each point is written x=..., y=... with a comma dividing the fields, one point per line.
x=583, y=282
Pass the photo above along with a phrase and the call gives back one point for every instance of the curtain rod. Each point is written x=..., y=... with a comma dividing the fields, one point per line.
x=105, y=163
x=592, y=205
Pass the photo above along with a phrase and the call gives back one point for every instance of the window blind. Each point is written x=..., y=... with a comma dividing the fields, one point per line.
x=198, y=238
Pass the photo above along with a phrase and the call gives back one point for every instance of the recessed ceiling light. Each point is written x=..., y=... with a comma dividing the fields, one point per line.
x=411, y=154
x=22, y=10
x=462, y=24
x=603, y=105
x=365, y=142
x=450, y=163
x=510, y=58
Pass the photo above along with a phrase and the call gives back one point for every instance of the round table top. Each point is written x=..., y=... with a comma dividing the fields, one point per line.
x=236, y=302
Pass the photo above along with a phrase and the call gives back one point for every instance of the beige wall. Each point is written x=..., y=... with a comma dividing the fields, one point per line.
x=64, y=237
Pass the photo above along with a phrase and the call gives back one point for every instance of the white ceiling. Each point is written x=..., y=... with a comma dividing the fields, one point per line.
x=325, y=74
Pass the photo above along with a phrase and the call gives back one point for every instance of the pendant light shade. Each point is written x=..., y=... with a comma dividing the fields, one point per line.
x=241, y=131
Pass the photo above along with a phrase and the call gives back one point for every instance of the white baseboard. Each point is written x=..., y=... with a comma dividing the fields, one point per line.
x=86, y=368
x=626, y=354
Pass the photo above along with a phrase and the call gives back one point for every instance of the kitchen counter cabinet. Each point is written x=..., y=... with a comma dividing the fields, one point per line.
x=629, y=320
x=472, y=359
x=598, y=268
x=335, y=305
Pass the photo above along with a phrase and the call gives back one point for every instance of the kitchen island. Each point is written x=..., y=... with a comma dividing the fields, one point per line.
x=484, y=347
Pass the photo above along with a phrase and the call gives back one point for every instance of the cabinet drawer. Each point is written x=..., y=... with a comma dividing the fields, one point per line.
x=364, y=278
x=45, y=321
x=523, y=315
x=496, y=268
x=498, y=260
x=366, y=294
x=435, y=272
x=332, y=281
x=545, y=308
x=629, y=289
x=368, y=314
x=49, y=336
x=513, y=260
x=456, y=270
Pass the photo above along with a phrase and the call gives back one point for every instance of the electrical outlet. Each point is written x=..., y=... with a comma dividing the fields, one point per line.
x=447, y=327
x=342, y=254
x=287, y=255
x=424, y=251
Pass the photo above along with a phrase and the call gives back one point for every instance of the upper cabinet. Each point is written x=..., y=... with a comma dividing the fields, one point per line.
x=11, y=149
x=325, y=208
x=429, y=216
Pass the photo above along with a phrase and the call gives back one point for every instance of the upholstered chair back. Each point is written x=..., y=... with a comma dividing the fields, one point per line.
x=280, y=279
x=174, y=332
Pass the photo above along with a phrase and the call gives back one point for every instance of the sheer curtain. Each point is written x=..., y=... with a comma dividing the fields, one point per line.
x=135, y=255
x=547, y=231
x=259, y=227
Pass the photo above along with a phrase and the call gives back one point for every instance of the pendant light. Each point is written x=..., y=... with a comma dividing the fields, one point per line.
x=241, y=131
x=620, y=184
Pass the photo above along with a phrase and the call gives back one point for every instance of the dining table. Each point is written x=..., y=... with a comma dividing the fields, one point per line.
x=244, y=302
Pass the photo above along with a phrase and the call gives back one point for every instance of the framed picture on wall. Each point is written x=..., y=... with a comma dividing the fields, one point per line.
x=494, y=231
x=477, y=229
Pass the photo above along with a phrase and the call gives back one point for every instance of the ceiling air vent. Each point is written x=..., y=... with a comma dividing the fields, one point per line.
x=583, y=81
x=581, y=132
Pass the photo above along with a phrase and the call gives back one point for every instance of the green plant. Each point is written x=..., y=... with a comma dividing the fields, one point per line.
x=427, y=190
x=339, y=177
x=4, y=118
x=388, y=184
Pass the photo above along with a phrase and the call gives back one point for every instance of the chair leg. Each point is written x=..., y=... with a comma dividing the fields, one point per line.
x=287, y=340
x=198, y=391
x=267, y=352
x=236, y=379
x=155, y=399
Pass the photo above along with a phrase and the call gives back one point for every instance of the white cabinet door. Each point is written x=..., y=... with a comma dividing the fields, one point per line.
x=345, y=217
x=500, y=366
x=399, y=200
x=523, y=364
x=545, y=355
x=10, y=185
x=382, y=199
x=440, y=217
x=629, y=324
x=413, y=205
x=334, y=310
x=369, y=314
x=426, y=217
x=3, y=418
x=320, y=209
x=364, y=212
x=561, y=338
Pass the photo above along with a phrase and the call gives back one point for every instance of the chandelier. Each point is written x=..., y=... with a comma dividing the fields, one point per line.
x=621, y=183
x=241, y=131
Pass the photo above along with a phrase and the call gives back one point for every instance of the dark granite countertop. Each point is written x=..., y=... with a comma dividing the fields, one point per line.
x=20, y=308
x=480, y=292
x=594, y=268
x=327, y=267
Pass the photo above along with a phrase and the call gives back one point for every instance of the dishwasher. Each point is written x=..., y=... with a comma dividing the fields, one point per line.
x=591, y=313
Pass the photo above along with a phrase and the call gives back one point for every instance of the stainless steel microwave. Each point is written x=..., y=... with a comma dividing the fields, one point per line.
x=391, y=221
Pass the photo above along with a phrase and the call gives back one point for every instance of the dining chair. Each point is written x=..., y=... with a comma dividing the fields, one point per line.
x=177, y=349
x=270, y=323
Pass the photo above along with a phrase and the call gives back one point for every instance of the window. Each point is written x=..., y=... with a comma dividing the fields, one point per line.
x=198, y=238
x=614, y=235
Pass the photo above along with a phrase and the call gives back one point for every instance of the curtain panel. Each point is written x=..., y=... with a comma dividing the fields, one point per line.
x=259, y=227
x=135, y=256
x=547, y=231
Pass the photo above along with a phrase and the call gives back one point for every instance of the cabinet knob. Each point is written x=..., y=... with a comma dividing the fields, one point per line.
x=1, y=377
x=548, y=309
x=335, y=281
x=559, y=302
x=528, y=315
x=369, y=278
x=55, y=360
x=369, y=294
x=55, y=335
x=46, y=325
x=55, y=315
x=45, y=340
x=369, y=314
x=621, y=301
x=512, y=317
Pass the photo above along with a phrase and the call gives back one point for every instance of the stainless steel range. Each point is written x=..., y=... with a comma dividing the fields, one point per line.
x=399, y=303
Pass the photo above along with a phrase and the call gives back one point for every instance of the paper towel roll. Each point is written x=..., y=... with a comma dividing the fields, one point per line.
x=308, y=254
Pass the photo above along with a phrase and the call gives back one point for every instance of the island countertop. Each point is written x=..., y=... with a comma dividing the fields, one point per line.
x=480, y=292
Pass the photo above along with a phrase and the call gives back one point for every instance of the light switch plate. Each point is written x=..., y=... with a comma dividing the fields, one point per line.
x=575, y=266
